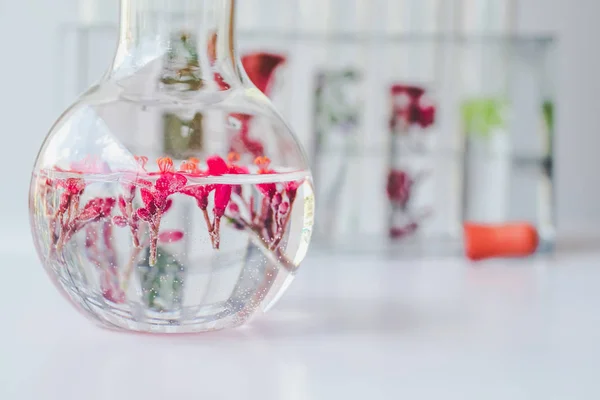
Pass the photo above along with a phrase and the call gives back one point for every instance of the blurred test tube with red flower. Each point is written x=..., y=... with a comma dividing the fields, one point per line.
x=413, y=113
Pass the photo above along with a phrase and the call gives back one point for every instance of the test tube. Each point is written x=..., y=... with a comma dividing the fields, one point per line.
x=486, y=26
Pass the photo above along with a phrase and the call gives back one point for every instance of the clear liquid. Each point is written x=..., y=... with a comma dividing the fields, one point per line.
x=200, y=274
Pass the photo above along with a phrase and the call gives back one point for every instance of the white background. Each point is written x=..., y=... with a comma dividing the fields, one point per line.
x=28, y=102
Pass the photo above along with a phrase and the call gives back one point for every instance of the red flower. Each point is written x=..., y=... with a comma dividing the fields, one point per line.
x=284, y=207
x=409, y=106
x=156, y=203
x=146, y=213
x=234, y=209
x=233, y=157
x=130, y=179
x=200, y=193
x=122, y=205
x=169, y=184
x=142, y=161
x=414, y=92
x=96, y=209
x=222, y=197
x=217, y=166
x=277, y=199
x=267, y=189
x=156, y=199
x=238, y=170
x=427, y=116
x=165, y=164
x=73, y=186
x=170, y=236
x=260, y=68
x=399, y=188
x=291, y=188
x=120, y=221
x=263, y=164
x=191, y=166
x=235, y=169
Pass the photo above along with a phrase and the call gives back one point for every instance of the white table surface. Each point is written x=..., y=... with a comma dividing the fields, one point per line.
x=354, y=328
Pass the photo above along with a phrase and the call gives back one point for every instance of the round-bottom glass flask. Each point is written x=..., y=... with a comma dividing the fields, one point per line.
x=172, y=197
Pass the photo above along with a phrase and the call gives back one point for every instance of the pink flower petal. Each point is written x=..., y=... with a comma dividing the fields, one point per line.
x=168, y=205
x=159, y=203
x=202, y=202
x=260, y=68
x=267, y=189
x=163, y=183
x=75, y=185
x=235, y=169
x=170, y=183
x=233, y=209
x=178, y=182
x=89, y=213
x=427, y=117
x=144, y=214
x=277, y=199
x=143, y=182
x=194, y=191
x=65, y=199
x=107, y=205
x=216, y=166
x=293, y=185
x=222, y=197
x=96, y=208
x=122, y=205
x=147, y=196
x=119, y=221
x=170, y=236
x=284, y=208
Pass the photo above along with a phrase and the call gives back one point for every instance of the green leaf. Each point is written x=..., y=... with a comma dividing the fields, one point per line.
x=548, y=110
x=162, y=284
x=483, y=115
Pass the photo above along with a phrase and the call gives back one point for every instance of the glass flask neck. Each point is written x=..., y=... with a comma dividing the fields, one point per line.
x=179, y=45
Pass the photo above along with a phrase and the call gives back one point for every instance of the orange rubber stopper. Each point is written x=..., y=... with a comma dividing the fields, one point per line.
x=502, y=240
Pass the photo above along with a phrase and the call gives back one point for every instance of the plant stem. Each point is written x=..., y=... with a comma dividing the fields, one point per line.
x=274, y=255
x=282, y=228
x=216, y=232
x=154, y=226
x=129, y=269
x=132, y=223
x=209, y=226
x=268, y=222
x=252, y=212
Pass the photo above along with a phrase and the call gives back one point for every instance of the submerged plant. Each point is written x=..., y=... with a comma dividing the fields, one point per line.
x=148, y=195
